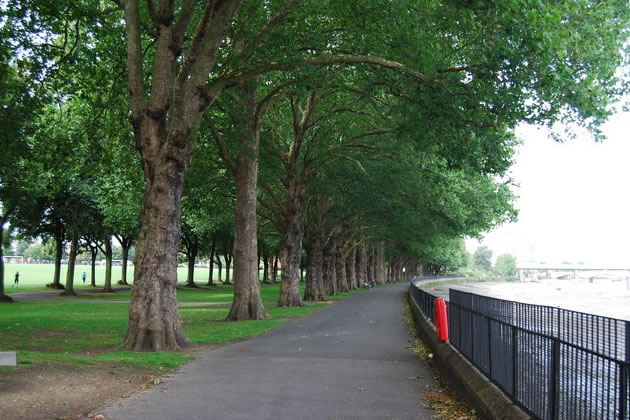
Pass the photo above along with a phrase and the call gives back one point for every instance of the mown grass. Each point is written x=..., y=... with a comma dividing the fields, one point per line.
x=37, y=276
x=70, y=332
x=219, y=293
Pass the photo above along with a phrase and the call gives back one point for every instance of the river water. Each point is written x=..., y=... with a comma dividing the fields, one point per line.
x=609, y=298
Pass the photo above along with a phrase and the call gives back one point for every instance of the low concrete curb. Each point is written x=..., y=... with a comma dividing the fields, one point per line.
x=489, y=401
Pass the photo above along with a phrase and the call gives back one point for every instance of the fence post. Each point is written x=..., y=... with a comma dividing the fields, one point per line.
x=623, y=395
x=514, y=361
x=490, y=347
x=554, y=380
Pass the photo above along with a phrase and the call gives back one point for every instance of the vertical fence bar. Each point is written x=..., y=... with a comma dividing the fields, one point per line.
x=554, y=379
x=577, y=363
x=490, y=348
x=623, y=394
x=515, y=362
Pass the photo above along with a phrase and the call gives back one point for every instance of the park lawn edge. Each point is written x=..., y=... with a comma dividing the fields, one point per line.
x=165, y=362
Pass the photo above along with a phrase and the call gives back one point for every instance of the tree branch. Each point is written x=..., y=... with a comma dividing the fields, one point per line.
x=134, y=61
x=225, y=156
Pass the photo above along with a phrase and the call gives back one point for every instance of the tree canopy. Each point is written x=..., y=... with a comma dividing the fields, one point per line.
x=378, y=132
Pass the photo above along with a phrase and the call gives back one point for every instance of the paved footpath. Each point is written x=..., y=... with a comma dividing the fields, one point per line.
x=347, y=361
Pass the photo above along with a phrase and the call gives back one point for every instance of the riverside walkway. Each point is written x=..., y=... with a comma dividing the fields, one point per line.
x=347, y=361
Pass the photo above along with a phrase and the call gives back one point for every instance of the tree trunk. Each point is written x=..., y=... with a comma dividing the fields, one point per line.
x=381, y=274
x=265, y=268
x=247, y=303
x=94, y=251
x=154, y=322
x=228, y=262
x=370, y=266
x=274, y=274
x=351, y=269
x=292, y=245
x=71, y=261
x=166, y=117
x=314, y=268
x=220, y=265
x=125, y=244
x=56, y=283
x=330, y=274
x=340, y=267
x=108, y=265
x=362, y=265
x=211, y=262
x=3, y=297
x=190, y=278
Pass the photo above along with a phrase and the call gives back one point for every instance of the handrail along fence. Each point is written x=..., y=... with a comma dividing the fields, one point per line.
x=554, y=363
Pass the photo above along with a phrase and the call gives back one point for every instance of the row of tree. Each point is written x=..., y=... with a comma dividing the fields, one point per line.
x=505, y=265
x=372, y=134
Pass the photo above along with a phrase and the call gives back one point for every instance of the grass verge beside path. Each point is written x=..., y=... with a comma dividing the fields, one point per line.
x=84, y=333
x=440, y=398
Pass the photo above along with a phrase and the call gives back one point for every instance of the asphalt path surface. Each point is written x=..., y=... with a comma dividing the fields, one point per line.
x=346, y=361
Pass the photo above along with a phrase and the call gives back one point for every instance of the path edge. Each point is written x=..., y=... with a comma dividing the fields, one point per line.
x=489, y=401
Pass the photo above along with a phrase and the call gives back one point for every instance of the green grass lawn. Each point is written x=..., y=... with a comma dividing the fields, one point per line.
x=37, y=276
x=218, y=293
x=91, y=332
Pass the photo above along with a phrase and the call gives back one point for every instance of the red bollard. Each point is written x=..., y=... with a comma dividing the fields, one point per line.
x=441, y=321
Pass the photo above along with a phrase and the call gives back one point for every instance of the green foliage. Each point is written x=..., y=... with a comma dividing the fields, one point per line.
x=412, y=151
x=40, y=251
x=481, y=258
x=505, y=265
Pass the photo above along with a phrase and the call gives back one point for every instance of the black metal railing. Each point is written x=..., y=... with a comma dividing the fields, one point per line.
x=554, y=363
x=425, y=301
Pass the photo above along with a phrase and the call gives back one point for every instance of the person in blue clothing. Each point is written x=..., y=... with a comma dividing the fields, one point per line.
x=83, y=277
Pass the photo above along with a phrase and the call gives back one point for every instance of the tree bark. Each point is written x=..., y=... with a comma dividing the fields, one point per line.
x=71, y=261
x=351, y=269
x=362, y=265
x=228, y=262
x=370, y=265
x=190, y=273
x=125, y=244
x=292, y=243
x=274, y=274
x=314, y=290
x=190, y=277
x=247, y=303
x=330, y=272
x=340, y=268
x=220, y=265
x=265, y=259
x=154, y=322
x=56, y=283
x=108, y=265
x=211, y=262
x=3, y=297
x=381, y=274
x=166, y=120
x=94, y=251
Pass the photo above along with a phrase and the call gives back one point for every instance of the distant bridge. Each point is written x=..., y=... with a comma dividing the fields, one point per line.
x=548, y=268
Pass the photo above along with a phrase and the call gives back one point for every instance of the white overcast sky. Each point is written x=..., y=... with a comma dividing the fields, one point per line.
x=574, y=199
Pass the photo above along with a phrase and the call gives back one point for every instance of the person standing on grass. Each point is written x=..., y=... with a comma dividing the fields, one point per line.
x=16, y=283
x=83, y=277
